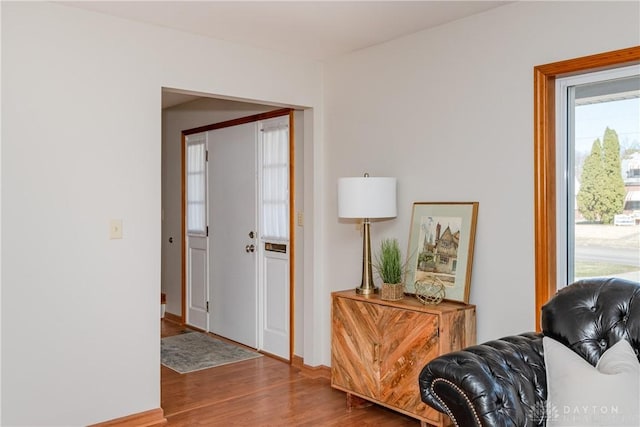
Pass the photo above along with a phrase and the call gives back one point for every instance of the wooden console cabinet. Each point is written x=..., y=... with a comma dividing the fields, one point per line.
x=378, y=348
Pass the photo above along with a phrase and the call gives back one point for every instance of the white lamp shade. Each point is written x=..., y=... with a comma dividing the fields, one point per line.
x=367, y=197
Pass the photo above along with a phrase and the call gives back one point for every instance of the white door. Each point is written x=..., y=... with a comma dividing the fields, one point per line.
x=274, y=300
x=196, y=238
x=233, y=233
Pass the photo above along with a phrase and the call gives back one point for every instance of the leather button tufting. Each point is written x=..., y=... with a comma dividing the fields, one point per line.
x=504, y=382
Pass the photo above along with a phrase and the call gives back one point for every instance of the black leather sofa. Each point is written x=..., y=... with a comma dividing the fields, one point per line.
x=503, y=382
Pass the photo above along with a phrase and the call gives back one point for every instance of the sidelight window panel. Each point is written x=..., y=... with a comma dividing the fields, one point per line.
x=275, y=180
x=196, y=181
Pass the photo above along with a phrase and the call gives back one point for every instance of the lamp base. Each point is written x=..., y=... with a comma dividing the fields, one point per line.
x=366, y=286
x=366, y=291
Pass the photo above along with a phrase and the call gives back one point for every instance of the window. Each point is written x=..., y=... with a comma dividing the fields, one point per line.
x=196, y=184
x=545, y=192
x=598, y=118
x=275, y=179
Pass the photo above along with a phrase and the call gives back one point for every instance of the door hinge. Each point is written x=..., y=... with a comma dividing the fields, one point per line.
x=206, y=156
x=207, y=306
x=207, y=231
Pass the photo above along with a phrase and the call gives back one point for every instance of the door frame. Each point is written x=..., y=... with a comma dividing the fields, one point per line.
x=187, y=239
x=183, y=188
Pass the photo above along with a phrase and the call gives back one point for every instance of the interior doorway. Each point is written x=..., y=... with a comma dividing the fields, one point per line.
x=194, y=111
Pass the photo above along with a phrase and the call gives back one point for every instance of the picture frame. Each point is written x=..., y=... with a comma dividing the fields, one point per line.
x=441, y=243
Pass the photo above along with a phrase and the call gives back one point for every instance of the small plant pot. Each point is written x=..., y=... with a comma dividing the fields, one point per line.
x=392, y=291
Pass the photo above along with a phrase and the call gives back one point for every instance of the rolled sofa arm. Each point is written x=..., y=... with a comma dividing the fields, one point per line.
x=498, y=383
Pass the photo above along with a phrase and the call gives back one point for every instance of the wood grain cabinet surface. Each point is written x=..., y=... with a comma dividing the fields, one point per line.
x=378, y=348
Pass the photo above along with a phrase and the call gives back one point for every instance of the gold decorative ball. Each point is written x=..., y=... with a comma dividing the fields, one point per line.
x=430, y=291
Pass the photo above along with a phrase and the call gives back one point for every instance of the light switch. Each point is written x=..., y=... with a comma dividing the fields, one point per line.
x=115, y=229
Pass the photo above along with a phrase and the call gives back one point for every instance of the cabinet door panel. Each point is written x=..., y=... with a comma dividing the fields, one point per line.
x=352, y=346
x=410, y=340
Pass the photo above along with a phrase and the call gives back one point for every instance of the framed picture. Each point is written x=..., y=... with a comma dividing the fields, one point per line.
x=441, y=240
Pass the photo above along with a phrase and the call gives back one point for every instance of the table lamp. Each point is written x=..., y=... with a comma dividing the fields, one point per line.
x=366, y=198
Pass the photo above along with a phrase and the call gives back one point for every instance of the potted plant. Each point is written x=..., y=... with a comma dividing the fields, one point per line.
x=390, y=268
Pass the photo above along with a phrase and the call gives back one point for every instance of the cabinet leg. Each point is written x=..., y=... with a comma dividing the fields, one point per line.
x=446, y=421
x=356, y=402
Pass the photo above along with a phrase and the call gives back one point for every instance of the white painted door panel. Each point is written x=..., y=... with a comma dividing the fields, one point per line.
x=196, y=237
x=275, y=307
x=232, y=208
x=197, y=282
x=274, y=212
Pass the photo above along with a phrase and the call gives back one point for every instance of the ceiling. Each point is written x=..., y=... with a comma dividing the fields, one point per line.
x=315, y=30
x=312, y=29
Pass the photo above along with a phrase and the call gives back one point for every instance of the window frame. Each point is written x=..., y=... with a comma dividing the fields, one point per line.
x=545, y=195
x=565, y=154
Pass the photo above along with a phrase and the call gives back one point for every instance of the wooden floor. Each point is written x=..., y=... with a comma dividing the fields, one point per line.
x=261, y=392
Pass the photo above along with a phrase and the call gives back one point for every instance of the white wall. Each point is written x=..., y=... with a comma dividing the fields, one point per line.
x=450, y=113
x=81, y=144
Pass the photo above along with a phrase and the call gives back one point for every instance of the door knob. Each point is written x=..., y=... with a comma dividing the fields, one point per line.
x=250, y=248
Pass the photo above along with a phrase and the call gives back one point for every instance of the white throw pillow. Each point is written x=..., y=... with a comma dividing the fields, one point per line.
x=580, y=395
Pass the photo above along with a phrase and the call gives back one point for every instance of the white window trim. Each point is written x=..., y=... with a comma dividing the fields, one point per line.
x=564, y=163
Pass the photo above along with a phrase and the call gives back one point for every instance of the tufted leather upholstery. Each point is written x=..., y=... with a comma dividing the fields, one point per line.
x=503, y=382
x=594, y=315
